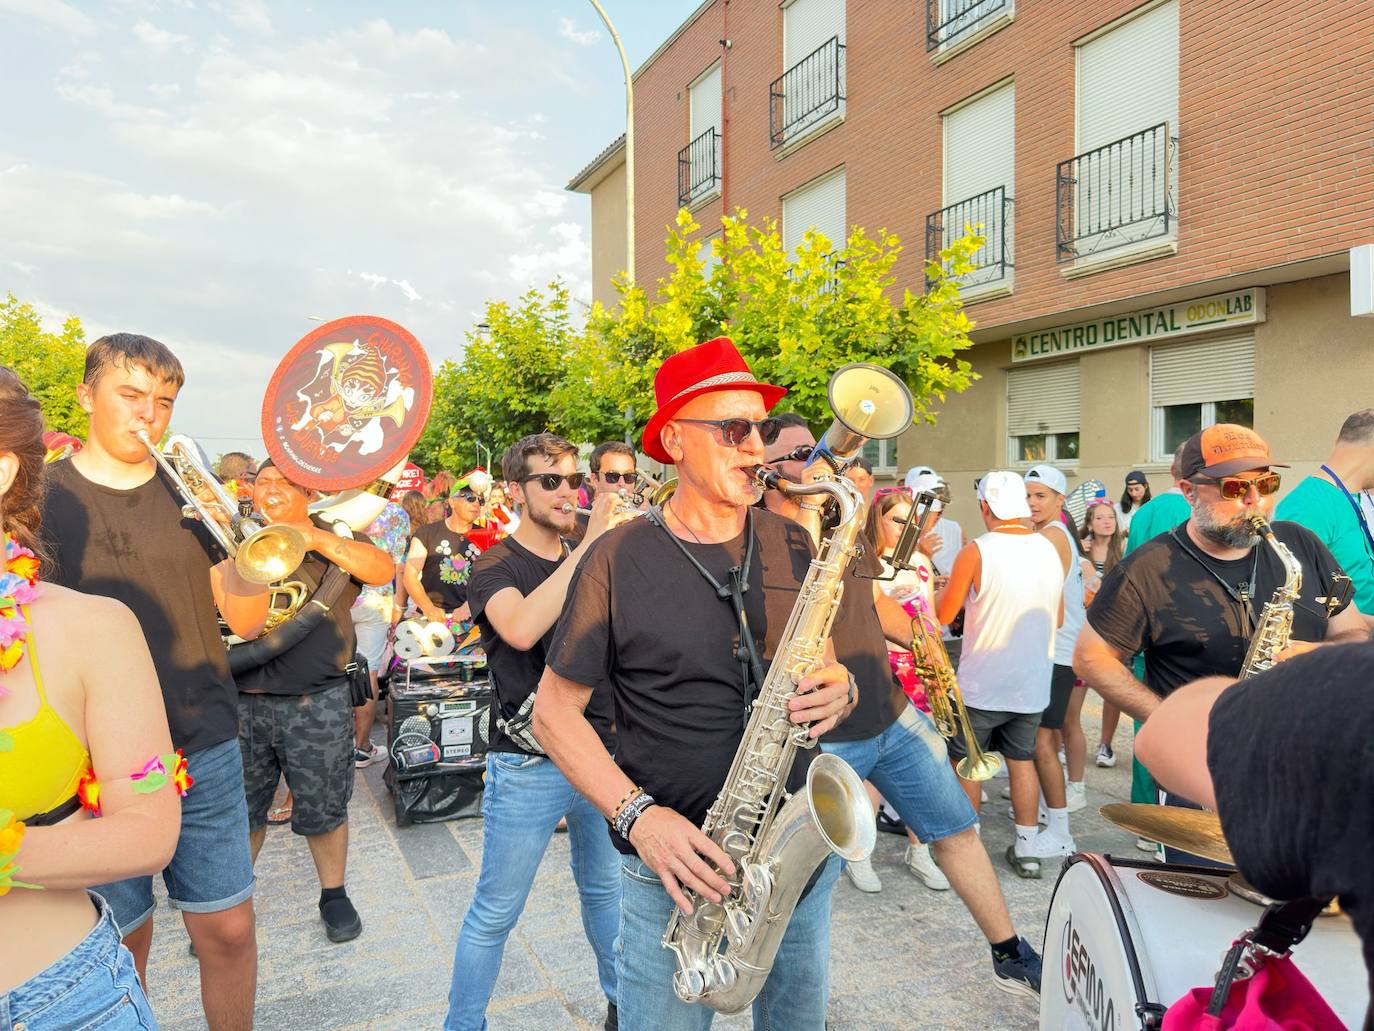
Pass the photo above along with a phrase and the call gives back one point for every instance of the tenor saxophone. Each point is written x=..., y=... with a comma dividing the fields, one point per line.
x=1276, y=618
x=776, y=840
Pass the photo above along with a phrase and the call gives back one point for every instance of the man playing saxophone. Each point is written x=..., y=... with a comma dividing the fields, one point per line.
x=1192, y=599
x=682, y=660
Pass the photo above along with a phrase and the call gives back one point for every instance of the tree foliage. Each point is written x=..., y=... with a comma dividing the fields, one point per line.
x=795, y=317
x=50, y=364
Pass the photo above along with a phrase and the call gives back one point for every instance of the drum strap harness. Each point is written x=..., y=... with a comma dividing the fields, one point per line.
x=1283, y=925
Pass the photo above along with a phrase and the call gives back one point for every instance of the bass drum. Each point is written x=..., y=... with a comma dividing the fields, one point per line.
x=1126, y=939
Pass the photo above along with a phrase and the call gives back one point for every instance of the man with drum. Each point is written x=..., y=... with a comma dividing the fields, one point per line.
x=1190, y=599
x=679, y=657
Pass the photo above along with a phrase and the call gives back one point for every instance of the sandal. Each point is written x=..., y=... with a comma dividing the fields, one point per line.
x=278, y=816
x=1026, y=867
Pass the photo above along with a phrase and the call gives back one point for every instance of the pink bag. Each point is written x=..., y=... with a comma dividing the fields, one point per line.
x=1278, y=997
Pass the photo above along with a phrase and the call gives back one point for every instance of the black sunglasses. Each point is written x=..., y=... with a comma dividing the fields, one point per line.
x=550, y=481
x=626, y=478
x=734, y=432
x=463, y=495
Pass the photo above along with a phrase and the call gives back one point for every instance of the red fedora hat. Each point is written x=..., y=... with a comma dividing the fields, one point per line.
x=714, y=365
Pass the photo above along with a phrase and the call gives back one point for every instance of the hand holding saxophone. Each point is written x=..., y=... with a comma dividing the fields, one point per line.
x=682, y=856
x=823, y=698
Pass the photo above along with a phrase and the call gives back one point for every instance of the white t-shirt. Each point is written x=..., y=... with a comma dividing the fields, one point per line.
x=1009, y=624
x=1074, y=611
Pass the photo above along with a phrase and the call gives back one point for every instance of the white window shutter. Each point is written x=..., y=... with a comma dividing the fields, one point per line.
x=806, y=24
x=705, y=109
x=1128, y=79
x=1215, y=369
x=819, y=206
x=1043, y=399
x=979, y=146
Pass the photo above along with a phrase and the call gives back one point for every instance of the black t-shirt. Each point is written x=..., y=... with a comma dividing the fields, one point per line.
x=1161, y=600
x=861, y=647
x=515, y=674
x=318, y=661
x=449, y=559
x=641, y=618
x=135, y=545
x=1291, y=753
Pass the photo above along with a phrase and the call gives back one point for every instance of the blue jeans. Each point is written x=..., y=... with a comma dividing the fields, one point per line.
x=94, y=985
x=525, y=797
x=212, y=868
x=793, y=998
x=909, y=764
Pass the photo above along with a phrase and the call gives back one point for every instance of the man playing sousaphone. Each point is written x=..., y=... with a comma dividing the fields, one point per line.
x=643, y=621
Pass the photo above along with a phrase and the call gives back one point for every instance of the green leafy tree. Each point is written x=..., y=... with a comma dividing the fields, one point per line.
x=50, y=364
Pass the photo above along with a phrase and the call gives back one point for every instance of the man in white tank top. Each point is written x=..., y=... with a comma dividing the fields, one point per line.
x=1045, y=490
x=1010, y=584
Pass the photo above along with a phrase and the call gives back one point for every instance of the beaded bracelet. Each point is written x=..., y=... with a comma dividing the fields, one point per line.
x=636, y=790
x=625, y=819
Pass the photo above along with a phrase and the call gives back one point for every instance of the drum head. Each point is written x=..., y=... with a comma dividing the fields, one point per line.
x=347, y=403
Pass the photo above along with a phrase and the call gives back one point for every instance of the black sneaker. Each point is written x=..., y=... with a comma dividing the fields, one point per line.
x=612, y=1018
x=1019, y=975
x=341, y=921
x=887, y=823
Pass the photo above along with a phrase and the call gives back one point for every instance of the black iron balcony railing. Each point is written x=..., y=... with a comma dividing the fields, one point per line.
x=989, y=215
x=1116, y=195
x=807, y=93
x=698, y=168
x=948, y=20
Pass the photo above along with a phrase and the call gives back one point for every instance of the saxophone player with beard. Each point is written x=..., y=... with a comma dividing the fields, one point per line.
x=1192, y=599
x=682, y=660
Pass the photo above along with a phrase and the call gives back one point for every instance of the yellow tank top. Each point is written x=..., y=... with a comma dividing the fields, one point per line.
x=41, y=760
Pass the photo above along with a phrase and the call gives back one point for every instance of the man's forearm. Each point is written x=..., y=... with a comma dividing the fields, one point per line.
x=242, y=604
x=562, y=728
x=1118, y=685
x=367, y=562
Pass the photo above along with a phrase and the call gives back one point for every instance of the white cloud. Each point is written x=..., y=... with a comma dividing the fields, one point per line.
x=164, y=90
x=54, y=13
x=564, y=255
x=22, y=267
x=155, y=39
x=405, y=288
x=569, y=31
x=251, y=15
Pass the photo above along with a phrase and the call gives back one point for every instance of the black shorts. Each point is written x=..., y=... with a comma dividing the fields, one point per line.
x=1061, y=687
x=1011, y=733
x=309, y=738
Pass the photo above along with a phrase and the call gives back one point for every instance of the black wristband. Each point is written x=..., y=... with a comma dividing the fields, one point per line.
x=632, y=810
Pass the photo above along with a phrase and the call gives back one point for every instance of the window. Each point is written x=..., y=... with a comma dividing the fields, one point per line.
x=699, y=162
x=1042, y=413
x=881, y=454
x=1200, y=384
x=810, y=92
x=706, y=254
x=1119, y=189
x=979, y=172
x=953, y=24
x=819, y=205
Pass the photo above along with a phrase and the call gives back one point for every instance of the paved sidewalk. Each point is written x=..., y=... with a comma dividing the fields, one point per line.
x=903, y=959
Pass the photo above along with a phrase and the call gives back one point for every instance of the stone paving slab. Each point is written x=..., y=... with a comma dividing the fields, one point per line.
x=905, y=958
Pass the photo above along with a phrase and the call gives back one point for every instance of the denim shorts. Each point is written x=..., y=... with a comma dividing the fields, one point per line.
x=93, y=986
x=212, y=869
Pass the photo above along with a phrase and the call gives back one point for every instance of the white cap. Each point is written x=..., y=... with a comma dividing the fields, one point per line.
x=1005, y=494
x=916, y=472
x=928, y=482
x=1049, y=476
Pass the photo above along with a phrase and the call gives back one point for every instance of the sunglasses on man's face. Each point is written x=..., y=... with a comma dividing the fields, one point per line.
x=1233, y=487
x=734, y=432
x=626, y=478
x=550, y=481
x=463, y=495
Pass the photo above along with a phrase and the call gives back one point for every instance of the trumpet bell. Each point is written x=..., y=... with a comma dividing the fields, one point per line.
x=870, y=403
x=270, y=554
x=985, y=767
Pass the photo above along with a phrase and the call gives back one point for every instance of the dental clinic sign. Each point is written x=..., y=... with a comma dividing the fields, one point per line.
x=1241, y=308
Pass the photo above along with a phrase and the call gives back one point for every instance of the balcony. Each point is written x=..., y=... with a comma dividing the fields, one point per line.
x=988, y=214
x=807, y=95
x=698, y=169
x=1117, y=196
x=951, y=22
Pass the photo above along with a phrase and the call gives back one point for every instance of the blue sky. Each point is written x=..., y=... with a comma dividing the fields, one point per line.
x=213, y=172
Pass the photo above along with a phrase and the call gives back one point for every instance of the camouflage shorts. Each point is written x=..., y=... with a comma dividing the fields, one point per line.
x=309, y=739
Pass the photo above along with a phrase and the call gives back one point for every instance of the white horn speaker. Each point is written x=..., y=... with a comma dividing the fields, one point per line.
x=870, y=403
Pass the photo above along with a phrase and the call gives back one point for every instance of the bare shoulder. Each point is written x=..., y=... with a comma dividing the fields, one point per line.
x=90, y=615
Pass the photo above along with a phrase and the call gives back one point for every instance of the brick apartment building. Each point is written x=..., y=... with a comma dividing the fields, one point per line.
x=1170, y=191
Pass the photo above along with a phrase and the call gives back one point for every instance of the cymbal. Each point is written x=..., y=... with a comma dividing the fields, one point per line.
x=1191, y=830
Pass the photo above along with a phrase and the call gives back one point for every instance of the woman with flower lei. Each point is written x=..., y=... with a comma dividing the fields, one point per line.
x=79, y=705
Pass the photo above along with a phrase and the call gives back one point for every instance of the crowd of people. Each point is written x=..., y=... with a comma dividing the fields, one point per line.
x=147, y=746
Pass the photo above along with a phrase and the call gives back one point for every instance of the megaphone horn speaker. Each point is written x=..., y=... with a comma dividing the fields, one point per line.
x=870, y=403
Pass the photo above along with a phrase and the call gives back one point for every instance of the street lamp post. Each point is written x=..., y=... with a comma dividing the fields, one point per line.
x=629, y=144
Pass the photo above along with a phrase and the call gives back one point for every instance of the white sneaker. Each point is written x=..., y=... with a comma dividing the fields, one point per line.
x=985, y=796
x=1062, y=760
x=1052, y=846
x=862, y=876
x=922, y=865
x=1076, y=795
x=1106, y=758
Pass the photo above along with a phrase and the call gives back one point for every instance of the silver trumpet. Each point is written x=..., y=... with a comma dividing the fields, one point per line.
x=261, y=554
